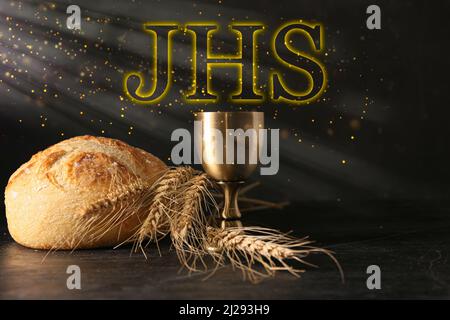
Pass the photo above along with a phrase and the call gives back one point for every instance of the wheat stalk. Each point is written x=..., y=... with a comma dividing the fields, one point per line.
x=246, y=246
x=124, y=203
x=177, y=203
x=155, y=225
x=181, y=197
x=188, y=225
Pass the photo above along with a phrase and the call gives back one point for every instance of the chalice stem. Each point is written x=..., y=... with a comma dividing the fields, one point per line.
x=231, y=207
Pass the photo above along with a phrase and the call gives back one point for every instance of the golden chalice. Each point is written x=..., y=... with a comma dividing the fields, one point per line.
x=229, y=144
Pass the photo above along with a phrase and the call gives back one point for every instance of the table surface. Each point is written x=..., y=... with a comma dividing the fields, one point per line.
x=409, y=242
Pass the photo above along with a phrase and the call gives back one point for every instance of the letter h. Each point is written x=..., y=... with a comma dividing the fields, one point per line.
x=204, y=60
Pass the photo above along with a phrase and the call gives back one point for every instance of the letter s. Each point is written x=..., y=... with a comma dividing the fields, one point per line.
x=298, y=61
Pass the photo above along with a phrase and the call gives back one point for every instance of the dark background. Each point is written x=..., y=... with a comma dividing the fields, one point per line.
x=388, y=204
x=388, y=88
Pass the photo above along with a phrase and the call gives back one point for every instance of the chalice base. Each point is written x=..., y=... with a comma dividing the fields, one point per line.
x=230, y=209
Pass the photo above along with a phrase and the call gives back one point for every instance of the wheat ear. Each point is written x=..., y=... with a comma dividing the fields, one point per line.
x=188, y=223
x=164, y=191
x=246, y=246
x=116, y=207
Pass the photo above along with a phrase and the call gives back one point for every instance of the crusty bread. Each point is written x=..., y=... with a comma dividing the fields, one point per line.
x=75, y=194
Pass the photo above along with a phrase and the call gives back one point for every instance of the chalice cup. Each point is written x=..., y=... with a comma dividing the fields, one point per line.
x=228, y=144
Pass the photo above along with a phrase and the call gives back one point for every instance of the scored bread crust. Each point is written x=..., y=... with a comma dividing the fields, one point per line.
x=74, y=194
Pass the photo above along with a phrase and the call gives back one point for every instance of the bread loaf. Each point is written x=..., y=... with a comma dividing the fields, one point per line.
x=83, y=192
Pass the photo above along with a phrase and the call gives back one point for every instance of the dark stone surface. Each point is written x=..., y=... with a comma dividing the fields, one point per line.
x=410, y=243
